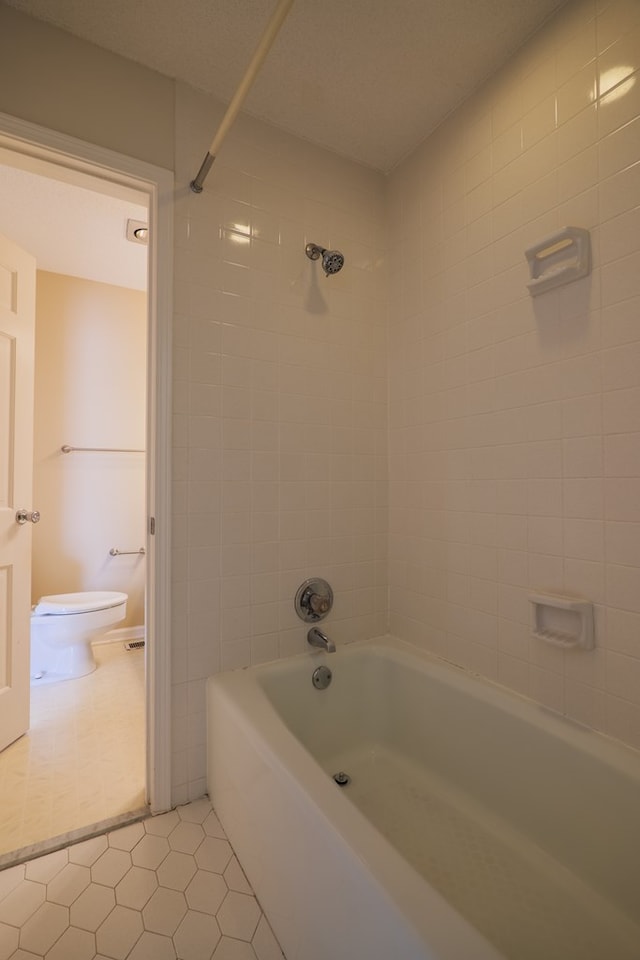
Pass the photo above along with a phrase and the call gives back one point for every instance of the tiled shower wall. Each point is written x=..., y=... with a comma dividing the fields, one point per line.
x=514, y=422
x=280, y=401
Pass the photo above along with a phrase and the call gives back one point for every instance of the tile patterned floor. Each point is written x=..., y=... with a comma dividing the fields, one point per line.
x=166, y=888
x=83, y=759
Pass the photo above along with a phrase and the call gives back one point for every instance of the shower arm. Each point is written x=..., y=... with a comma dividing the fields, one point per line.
x=277, y=19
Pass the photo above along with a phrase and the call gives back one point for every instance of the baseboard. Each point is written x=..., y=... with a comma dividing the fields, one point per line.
x=122, y=635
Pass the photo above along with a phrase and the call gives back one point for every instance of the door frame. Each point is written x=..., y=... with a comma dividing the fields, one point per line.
x=77, y=156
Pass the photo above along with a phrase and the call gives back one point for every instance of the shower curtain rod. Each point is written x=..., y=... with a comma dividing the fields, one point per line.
x=67, y=448
x=261, y=51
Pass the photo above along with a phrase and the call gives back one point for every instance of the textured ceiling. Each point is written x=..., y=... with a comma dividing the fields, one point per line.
x=369, y=79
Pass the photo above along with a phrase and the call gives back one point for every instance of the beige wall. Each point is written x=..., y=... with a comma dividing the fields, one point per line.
x=515, y=423
x=89, y=391
x=56, y=80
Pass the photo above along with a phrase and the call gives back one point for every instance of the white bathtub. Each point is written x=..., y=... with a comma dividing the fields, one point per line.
x=476, y=825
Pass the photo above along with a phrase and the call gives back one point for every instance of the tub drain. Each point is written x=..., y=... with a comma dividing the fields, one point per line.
x=342, y=778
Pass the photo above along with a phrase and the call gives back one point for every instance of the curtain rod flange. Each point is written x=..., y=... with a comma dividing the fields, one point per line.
x=198, y=181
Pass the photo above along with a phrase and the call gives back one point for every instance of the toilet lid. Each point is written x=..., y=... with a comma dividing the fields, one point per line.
x=66, y=603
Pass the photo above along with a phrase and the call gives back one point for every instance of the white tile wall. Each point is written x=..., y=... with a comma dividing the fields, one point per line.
x=280, y=398
x=514, y=423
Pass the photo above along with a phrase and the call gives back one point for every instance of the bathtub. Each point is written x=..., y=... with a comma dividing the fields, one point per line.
x=476, y=825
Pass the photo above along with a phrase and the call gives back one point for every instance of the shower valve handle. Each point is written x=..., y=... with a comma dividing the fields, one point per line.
x=318, y=604
x=22, y=516
x=314, y=600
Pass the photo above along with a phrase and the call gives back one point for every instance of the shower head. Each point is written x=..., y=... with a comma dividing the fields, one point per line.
x=332, y=260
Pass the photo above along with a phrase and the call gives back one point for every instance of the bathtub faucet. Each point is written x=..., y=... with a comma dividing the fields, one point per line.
x=318, y=639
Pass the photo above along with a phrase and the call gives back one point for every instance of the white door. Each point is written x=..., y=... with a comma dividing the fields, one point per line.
x=17, y=339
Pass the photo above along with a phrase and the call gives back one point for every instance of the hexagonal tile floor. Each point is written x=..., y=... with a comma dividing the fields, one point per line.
x=166, y=888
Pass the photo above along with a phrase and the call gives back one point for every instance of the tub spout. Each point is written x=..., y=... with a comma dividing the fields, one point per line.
x=318, y=639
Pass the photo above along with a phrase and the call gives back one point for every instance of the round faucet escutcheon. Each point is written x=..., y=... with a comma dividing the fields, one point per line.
x=313, y=600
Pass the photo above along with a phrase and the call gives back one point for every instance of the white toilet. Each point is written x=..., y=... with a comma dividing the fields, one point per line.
x=62, y=628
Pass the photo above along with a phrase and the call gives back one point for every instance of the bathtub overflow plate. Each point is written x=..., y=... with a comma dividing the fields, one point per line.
x=321, y=677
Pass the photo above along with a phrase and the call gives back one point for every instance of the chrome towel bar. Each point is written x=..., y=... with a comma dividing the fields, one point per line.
x=66, y=448
x=114, y=552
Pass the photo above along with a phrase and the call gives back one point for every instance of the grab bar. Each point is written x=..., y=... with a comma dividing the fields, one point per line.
x=66, y=448
x=114, y=552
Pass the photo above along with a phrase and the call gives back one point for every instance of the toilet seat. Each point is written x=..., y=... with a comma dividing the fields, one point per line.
x=63, y=628
x=64, y=604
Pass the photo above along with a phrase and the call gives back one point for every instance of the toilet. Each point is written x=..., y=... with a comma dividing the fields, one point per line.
x=62, y=628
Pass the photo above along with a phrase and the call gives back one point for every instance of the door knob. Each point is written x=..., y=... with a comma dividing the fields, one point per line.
x=22, y=516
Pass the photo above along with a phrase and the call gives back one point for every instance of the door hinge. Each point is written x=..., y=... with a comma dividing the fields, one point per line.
x=152, y=525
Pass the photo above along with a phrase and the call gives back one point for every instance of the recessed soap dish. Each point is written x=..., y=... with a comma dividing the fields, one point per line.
x=561, y=258
x=562, y=621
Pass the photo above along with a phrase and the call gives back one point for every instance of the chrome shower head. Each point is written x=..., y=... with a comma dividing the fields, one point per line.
x=332, y=260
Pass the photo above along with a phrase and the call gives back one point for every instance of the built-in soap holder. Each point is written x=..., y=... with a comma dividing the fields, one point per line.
x=562, y=621
x=561, y=258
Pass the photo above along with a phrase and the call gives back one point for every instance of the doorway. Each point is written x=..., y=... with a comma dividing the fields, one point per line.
x=63, y=162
